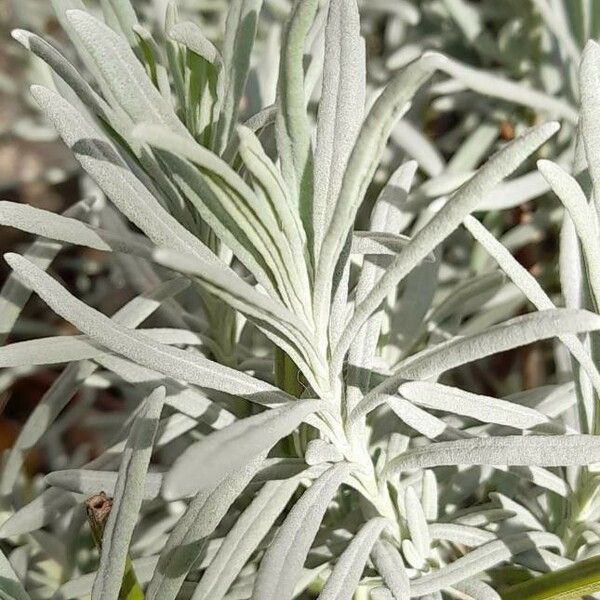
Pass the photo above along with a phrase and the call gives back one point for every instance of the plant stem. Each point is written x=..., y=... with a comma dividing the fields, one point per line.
x=571, y=583
x=98, y=509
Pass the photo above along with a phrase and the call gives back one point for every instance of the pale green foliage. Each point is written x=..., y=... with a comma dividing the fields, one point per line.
x=288, y=389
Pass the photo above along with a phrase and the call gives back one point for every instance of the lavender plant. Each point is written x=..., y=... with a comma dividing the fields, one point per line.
x=294, y=393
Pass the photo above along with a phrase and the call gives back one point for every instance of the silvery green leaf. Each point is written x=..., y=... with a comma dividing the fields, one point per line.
x=412, y=556
x=129, y=491
x=269, y=178
x=480, y=559
x=240, y=31
x=389, y=564
x=362, y=164
x=460, y=534
x=291, y=124
x=191, y=36
x=82, y=586
x=483, y=408
x=61, y=8
x=221, y=452
x=590, y=107
x=532, y=290
x=500, y=87
x=280, y=325
x=49, y=505
x=418, y=146
x=189, y=537
x=242, y=540
x=65, y=229
x=340, y=109
x=319, y=451
x=64, y=69
x=471, y=24
x=174, y=362
x=381, y=593
x=572, y=196
x=13, y=295
x=461, y=204
x=282, y=563
x=347, y=572
x=188, y=400
x=99, y=158
x=241, y=218
x=88, y=482
x=534, y=450
x=429, y=495
x=123, y=73
x=416, y=522
x=521, y=515
x=472, y=151
x=53, y=502
x=541, y=477
x=378, y=243
x=126, y=17
x=69, y=381
x=513, y=333
x=515, y=192
x=67, y=348
x=10, y=586
x=420, y=420
x=478, y=590
x=386, y=217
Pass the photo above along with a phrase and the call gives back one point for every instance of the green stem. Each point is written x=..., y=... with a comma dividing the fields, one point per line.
x=571, y=583
x=98, y=509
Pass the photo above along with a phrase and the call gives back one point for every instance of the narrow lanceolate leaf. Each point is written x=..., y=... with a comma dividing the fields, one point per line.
x=14, y=295
x=483, y=408
x=214, y=457
x=89, y=481
x=240, y=31
x=126, y=18
x=462, y=203
x=292, y=125
x=64, y=69
x=478, y=590
x=122, y=72
x=191, y=36
x=70, y=380
x=340, y=109
x=389, y=564
x=589, y=79
x=416, y=522
x=386, y=217
x=531, y=288
x=532, y=450
x=67, y=348
x=190, y=536
x=582, y=214
x=513, y=333
x=499, y=87
x=129, y=493
x=281, y=566
x=102, y=162
x=279, y=324
x=363, y=162
x=479, y=560
x=65, y=229
x=243, y=539
x=10, y=586
x=174, y=362
x=348, y=570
